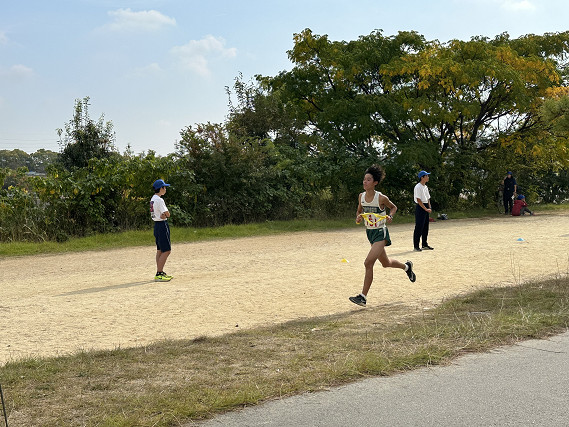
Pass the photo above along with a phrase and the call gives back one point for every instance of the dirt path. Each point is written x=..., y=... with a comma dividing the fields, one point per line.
x=103, y=300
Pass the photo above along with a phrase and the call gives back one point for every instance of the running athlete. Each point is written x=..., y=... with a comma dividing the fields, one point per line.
x=372, y=201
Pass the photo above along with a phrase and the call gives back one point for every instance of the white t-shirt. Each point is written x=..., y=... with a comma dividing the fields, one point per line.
x=157, y=208
x=421, y=191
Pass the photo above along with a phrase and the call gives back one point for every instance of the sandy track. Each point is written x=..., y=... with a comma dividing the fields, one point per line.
x=102, y=300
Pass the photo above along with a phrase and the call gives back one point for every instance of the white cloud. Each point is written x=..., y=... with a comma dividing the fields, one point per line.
x=517, y=5
x=16, y=72
x=146, y=20
x=3, y=38
x=196, y=54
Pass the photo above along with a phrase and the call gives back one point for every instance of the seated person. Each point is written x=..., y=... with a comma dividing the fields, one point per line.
x=520, y=206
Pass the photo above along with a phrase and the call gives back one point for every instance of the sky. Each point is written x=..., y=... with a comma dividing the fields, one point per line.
x=155, y=67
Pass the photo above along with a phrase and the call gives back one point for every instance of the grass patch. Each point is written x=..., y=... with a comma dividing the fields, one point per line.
x=179, y=235
x=173, y=382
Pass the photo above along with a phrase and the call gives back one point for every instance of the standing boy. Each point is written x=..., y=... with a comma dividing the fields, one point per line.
x=372, y=201
x=422, y=200
x=510, y=188
x=160, y=214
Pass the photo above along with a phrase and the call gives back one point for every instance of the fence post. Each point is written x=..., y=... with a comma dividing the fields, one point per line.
x=3, y=406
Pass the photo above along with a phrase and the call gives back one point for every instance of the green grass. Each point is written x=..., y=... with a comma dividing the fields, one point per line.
x=172, y=382
x=181, y=235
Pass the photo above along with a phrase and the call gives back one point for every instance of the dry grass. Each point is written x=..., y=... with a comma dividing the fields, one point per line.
x=172, y=383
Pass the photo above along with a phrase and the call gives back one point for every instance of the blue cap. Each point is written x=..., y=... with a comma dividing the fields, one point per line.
x=159, y=183
x=422, y=174
x=521, y=196
x=509, y=173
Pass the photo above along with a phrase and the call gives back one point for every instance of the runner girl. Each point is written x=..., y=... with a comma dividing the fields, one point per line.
x=378, y=235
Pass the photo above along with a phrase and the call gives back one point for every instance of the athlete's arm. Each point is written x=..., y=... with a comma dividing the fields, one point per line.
x=384, y=201
x=359, y=210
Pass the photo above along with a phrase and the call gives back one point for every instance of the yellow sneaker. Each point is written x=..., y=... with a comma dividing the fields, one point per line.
x=162, y=277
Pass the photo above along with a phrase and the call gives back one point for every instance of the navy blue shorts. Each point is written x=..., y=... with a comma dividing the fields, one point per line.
x=162, y=236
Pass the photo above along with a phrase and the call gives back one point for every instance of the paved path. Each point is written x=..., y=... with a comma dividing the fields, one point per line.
x=523, y=385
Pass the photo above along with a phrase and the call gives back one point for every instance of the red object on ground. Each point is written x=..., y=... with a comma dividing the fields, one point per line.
x=518, y=205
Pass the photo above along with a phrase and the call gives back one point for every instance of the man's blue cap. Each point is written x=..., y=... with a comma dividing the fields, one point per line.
x=521, y=196
x=509, y=173
x=422, y=174
x=159, y=183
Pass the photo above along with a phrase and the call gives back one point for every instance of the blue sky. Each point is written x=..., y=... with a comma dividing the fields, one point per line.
x=154, y=67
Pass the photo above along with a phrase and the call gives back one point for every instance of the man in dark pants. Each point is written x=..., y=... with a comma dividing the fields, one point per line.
x=422, y=200
x=510, y=188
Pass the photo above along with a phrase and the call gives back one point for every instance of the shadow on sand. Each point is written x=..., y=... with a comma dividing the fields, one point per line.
x=105, y=288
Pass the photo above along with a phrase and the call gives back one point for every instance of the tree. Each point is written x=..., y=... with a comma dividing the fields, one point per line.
x=261, y=113
x=417, y=105
x=340, y=104
x=14, y=159
x=232, y=175
x=85, y=139
x=555, y=110
x=463, y=100
x=42, y=158
x=337, y=89
x=37, y=162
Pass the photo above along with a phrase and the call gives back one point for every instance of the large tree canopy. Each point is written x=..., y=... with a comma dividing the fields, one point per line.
x=414, y=104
